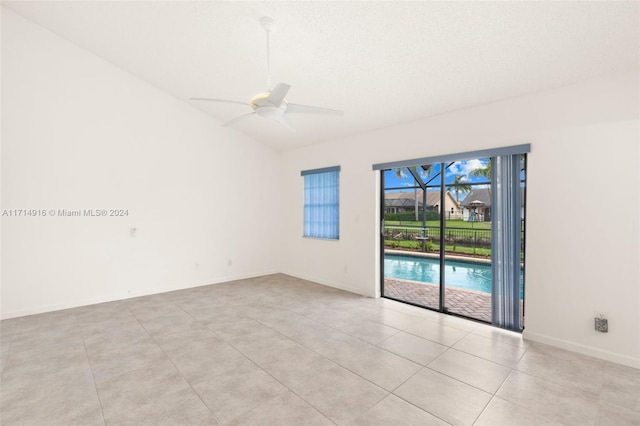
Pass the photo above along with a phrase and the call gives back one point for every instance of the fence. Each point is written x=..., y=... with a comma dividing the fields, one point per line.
x=456, y=237
x=460, y=240
x=409, y=218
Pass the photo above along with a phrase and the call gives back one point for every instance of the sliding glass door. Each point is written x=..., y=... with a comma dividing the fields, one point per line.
x=452, y=237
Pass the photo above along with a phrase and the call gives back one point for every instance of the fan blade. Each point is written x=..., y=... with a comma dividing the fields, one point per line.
x=238, y=118
x=286, y=123
x=227, y=101
x=305, y=109
x=278, y=93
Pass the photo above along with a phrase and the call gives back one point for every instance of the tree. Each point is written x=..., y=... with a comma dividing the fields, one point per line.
x=459, y=186
x=485, y=171
x=482, y=171
x=403, y=172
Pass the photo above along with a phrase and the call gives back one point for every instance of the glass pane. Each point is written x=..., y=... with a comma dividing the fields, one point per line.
x=399, y=178
x=468, y=239
x=411, y=265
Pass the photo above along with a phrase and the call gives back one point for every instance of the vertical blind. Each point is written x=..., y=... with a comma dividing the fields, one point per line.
x=322, y=203
x=505, y=242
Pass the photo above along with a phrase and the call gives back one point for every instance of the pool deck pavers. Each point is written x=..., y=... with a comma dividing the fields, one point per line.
x=469, y=303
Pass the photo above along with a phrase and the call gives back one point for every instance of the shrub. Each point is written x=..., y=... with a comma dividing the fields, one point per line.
x=411, y=217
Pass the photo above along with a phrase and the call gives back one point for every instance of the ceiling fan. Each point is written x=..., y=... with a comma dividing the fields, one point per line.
x=272, y=103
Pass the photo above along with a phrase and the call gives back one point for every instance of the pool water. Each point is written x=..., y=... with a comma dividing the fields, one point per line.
x=470, y=276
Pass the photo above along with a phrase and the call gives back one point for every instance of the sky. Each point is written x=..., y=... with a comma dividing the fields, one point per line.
x=462, y=168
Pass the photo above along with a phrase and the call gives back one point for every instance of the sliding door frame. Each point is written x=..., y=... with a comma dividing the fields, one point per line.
x=442, y=160
x=382, y=217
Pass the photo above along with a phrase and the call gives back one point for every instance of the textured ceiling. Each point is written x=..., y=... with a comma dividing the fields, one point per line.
x=383, y=63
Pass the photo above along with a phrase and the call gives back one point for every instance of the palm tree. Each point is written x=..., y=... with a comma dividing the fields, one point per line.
x=482, y=171
x=459, y=186
x=486, y=170
x=402, y=173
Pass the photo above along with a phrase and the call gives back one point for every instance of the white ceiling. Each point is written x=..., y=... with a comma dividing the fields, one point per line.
x=383, y=63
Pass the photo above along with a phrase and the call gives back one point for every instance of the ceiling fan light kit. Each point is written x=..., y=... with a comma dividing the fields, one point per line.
x=272, y=103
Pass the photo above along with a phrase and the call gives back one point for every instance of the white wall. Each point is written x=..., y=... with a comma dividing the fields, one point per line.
x=584, y=154
x=79, y=133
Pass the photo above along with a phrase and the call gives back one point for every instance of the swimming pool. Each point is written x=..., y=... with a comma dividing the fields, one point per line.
x=470, y=276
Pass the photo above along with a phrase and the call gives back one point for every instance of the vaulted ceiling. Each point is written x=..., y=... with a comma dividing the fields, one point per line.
x=383, y=63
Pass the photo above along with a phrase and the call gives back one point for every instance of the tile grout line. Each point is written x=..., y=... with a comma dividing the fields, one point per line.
x=493, y=395
x=484, y=409
x=95, y=385
x=277, y=380
x=538, y=379
x=317, y=353
x=172, y=363
x=236, y=349
x=364, y=378
x=468, y=332
x=255, y=364
x=420, y=408
x=496, y=396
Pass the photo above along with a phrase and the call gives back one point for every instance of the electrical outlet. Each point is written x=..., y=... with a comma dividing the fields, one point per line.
x=602, y=325
x=229, y=262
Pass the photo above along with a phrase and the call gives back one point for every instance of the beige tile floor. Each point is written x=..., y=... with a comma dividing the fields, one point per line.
x=277, y=350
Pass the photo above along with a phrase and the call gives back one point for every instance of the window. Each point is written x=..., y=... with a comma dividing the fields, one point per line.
x=322, y=203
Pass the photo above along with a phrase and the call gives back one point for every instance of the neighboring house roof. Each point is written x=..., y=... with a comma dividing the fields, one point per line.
x=406, y=199
x=484, y=195
x=478, y=194
x=401, y=202
x=402, y=199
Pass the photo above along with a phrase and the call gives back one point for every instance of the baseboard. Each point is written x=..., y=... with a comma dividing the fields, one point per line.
x=582, y=349
x=229, y=278
x=115, y=297
x=328, y=283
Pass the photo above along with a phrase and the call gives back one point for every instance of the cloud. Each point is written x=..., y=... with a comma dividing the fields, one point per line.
x=467, y=166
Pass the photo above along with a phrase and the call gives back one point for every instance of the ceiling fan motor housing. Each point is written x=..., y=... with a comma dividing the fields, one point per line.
x=267, y=109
